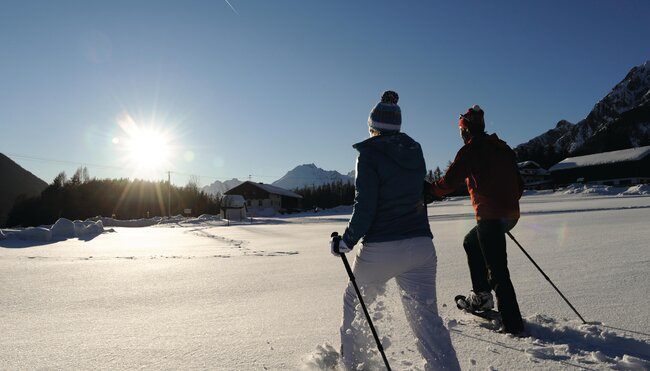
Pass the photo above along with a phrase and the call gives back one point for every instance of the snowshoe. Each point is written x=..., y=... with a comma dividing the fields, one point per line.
x=487, y=314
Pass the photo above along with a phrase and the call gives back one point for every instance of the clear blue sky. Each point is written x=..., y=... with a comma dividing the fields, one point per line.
x=263, y=86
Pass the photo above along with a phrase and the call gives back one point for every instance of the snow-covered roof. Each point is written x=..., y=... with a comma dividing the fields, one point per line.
x=531, y=168
x=529, y=165
x=631, y=154
x=277, y=190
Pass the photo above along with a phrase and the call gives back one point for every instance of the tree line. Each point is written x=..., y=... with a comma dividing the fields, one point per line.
x=81, y=197
x=327, y=195
x=340, y=193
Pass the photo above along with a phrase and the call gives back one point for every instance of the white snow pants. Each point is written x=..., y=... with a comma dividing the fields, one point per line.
x=412, y=262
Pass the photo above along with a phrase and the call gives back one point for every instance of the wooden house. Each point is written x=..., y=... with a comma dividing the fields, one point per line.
x=535, y=176
x=265, y=199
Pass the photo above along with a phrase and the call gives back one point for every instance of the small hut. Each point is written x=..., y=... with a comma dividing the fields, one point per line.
x=233, y=207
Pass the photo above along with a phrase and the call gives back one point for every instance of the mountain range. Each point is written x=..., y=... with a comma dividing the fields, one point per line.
x=308, y=175
x=22, y=183
x=219, y=187
x=618, y=121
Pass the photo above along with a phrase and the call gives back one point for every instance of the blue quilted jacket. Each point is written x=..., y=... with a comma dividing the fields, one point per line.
x=388, y=197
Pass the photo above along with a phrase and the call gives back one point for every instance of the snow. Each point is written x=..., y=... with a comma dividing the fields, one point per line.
x=59, y=231
x=630, y=92
x=193, y=293
x=277, y=190
x=595, y=189
x=532, y=167
x=631, y=154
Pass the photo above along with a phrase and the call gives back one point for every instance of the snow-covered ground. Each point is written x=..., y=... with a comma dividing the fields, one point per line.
x=197, y=294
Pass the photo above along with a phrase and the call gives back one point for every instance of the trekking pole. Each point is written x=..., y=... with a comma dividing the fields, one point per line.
x=548, y=279
x=363, y=305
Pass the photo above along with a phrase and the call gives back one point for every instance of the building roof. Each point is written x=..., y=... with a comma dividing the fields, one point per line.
x=270, y=189
x=277, y=190
x=532, y=167
x=624, y=155
x=528, y=165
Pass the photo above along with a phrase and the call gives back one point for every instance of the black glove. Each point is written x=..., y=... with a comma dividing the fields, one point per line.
x=428, y=195
x=337, y=245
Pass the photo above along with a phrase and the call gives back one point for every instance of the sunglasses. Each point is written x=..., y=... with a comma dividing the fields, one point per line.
x=461, y=116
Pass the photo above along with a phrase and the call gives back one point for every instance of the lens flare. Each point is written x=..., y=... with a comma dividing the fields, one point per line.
x=147, y=147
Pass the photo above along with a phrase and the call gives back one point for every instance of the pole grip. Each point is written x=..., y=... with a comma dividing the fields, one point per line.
x=337, y=239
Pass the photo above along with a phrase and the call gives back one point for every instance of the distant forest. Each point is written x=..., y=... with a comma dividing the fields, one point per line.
x=327, y=196
x=340, y=193
x=81, y=197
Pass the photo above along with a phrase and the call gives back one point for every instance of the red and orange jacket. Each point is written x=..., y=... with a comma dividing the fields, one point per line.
x=489, y=168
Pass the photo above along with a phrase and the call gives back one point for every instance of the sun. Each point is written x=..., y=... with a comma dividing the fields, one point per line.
x=146, y=147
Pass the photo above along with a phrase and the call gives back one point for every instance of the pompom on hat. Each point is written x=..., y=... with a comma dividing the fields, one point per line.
x=386, y=116
x=473, y=120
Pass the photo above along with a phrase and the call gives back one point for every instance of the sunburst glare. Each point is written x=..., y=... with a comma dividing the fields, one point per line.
x=146, y=147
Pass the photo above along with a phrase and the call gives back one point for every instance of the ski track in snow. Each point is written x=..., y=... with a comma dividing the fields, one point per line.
x=455, y=216
x=103, y=258
x=237, y=244
x=234, y=248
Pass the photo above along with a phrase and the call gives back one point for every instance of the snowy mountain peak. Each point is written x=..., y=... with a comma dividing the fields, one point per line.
x=307, y=167
x=563, y=124
x=632, y=91
x=219, y=187
x=619, y=120
x=309, y=175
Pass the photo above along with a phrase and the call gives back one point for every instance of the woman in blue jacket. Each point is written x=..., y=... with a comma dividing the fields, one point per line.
x=391, y=218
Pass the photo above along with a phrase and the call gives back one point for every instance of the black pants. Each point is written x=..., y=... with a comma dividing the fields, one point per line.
x=485, y=246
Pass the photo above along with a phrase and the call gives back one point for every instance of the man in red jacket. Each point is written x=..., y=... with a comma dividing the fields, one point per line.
x=489, y=168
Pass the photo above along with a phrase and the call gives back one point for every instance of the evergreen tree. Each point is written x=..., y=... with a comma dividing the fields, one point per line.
x=437, y=174
x=327, y=195
x=82, y=197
